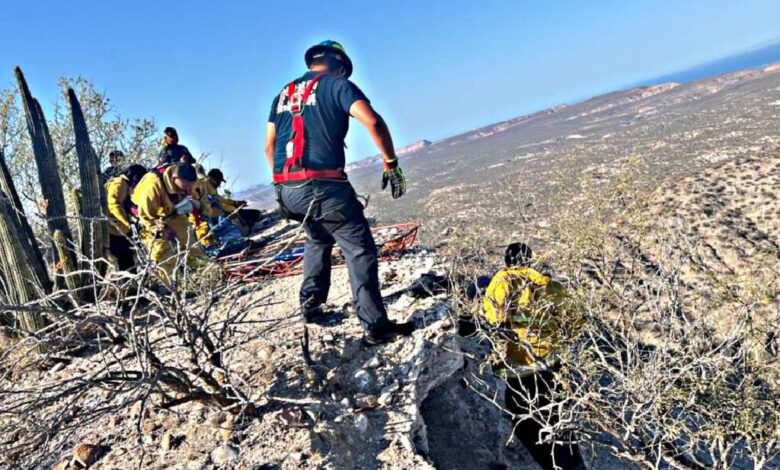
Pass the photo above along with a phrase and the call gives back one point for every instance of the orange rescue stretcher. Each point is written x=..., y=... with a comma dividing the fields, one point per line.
x=285, y=257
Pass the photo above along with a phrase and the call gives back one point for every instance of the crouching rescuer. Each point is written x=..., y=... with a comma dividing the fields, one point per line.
x=304, y=146
x=532, y=313
x=120, y=209
x=163, y=204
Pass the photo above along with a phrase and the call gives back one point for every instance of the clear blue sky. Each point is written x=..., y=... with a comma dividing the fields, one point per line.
x=432, y=68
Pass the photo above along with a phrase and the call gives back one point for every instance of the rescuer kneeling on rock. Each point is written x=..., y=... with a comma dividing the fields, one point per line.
x=305, y=149
x=163, y=204
x=530, y=311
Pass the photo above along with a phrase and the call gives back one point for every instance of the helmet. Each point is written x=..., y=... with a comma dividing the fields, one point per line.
x=333, y=49
x=216, y=173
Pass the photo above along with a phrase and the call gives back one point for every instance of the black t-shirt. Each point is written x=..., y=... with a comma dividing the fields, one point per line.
x=173, y=153
x=325, y=121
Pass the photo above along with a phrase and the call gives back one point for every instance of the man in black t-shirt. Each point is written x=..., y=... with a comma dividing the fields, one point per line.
x=171, y=151
x=304, y=147
x=115, y=161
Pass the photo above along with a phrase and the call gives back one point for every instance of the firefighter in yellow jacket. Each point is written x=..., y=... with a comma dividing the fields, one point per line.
x=245, y=217
x=532, y=310
x=119, y=210
x=163, y=202
x=199, y=218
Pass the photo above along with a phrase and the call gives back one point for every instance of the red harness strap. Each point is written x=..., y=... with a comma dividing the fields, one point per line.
x=297, y=142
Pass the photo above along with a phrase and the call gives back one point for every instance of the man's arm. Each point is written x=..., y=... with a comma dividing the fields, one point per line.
x=376, y=126
x=270, y=144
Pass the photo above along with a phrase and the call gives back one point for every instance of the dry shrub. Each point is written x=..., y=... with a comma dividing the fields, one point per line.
x=676, y=363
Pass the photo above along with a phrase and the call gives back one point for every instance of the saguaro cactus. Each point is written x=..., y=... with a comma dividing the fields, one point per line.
x=17, y=266
x=27, y=237
x=45, y=159
x=94, y=233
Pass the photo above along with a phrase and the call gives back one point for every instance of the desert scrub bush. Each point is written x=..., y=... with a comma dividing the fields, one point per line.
x=673, y=366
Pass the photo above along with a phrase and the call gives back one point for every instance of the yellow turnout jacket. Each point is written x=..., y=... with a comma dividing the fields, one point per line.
x=533, y=306
x=117, y=193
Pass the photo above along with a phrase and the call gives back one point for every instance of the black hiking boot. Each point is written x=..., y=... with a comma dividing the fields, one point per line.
x=321, y=315
x=387, y=334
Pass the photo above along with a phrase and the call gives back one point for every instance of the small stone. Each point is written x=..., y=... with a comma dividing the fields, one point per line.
x=363, y=379
x=366, y=402
x=346, y=403
x=265, y=352
x=148, y=426
x=297, y=457
x=223, y=455
x=385, y=399
x=63, y=464
x=166, y=442
x=328, y=338
x=361, y=423
x=373, y=363
x=57, y=367
x=85, y=454
x=226, y=429
x=219, y=376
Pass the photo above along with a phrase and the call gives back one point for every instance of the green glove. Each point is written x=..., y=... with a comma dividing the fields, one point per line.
x=394, y=175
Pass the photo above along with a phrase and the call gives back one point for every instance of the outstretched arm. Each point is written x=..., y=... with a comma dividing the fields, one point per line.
x=270, y=144
x=376, y=126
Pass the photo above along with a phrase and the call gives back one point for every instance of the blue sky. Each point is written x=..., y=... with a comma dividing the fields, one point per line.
x=432, y=68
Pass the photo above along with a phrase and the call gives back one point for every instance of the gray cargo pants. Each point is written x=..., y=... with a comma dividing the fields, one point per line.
x=336, y=216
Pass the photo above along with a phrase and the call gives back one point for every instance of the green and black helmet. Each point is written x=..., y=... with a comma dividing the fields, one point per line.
x=333, y=49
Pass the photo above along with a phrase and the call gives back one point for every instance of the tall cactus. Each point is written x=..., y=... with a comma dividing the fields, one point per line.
x=17, y=266
x=27, y=237
x=94, y=232
x=45, y=159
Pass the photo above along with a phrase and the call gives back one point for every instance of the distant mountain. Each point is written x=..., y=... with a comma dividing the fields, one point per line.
x=666, y=110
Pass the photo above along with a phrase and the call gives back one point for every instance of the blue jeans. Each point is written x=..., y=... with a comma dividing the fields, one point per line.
x=335, y=215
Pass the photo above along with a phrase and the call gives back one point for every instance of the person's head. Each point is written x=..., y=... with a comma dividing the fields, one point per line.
x=171, y=136
x=329, y=56
x=134, y=173
x=517, y=254
x=115, y=158
x=216, y=177
x=184, y=177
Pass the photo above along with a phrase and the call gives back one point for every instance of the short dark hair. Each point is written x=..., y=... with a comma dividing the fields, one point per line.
x=170, y=131
x=134, y=173
x=185, y=171
x=116, y=154
x=517, y=254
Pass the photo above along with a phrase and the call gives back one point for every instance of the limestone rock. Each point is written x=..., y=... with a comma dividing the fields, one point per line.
x=223, y=455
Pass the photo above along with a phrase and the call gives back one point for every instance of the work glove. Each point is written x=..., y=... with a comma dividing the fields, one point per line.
x=394, y=175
